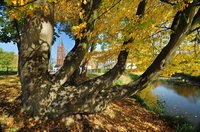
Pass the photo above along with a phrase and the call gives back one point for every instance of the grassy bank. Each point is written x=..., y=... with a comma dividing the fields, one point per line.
x=156, y=106
x=180, y=124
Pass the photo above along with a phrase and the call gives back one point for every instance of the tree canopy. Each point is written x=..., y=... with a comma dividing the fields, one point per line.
x=115, y=21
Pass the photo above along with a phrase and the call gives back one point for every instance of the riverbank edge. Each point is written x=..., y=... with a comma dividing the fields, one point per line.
x=180, y=124
x=182, y=79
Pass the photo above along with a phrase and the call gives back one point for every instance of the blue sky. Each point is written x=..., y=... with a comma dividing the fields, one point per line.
x=68, y=43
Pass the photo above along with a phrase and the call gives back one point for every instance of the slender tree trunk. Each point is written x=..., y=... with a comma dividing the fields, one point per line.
x=85, y=63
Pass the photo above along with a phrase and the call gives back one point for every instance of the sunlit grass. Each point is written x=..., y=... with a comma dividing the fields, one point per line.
x=9, y=88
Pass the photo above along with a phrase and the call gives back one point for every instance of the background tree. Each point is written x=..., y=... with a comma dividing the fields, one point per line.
x=8, y=60
x=126, y=27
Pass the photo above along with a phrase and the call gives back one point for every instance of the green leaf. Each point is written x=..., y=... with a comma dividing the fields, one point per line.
x=96, y=14
x=31, y=7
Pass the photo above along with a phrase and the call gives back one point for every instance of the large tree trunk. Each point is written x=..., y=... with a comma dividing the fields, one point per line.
x=43, y=94
x=34, y=59
x=39, y=89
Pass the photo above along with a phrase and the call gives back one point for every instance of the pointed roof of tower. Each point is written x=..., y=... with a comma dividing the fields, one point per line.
x=61, y=42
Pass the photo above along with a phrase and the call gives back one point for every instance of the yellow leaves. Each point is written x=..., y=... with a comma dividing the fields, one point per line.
x=81, y=14
x=190, y=1
x=12, y=2
x=67, y=10
x=21, y=8
x=13, y=15
x=185, y=61
x=63, y=9
x=149, y=97
x=133, y=34
x=16, y=2
x=9, y=123
x=116, y=24
x=77, y=30
x=5, y=119
x=182, y=6
x=46, y=9
x=131, y=46
x=55, y=1
x=85, y=2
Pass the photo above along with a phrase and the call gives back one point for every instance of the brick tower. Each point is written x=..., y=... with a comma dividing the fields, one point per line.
x=60, y=53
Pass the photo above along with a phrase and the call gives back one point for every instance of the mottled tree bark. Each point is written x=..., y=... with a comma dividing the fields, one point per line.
x=34, y=59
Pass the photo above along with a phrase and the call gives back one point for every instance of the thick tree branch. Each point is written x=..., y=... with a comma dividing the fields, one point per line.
x=107, y=80
x=196, y=21
x=71, y=62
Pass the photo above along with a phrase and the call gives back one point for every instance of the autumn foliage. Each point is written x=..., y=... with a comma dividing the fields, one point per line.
x=149, y=34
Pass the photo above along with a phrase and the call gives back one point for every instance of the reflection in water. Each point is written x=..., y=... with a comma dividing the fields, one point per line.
x=192, y=93
x=149, y=97
x=180, y=100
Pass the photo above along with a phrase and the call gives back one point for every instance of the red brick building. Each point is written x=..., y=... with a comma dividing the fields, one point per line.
x=60, y=54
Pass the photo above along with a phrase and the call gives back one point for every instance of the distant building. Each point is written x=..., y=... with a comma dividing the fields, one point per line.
x=60, y=54
x=60, y=57
x=95, y=66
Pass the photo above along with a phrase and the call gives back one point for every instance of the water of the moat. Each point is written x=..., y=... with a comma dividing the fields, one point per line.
x=179, y=99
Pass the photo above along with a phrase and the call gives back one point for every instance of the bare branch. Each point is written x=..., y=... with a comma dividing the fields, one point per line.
x=107, y=10
x=196, y=29
x=159, y=32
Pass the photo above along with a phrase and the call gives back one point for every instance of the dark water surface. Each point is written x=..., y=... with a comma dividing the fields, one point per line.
x=179, y=100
